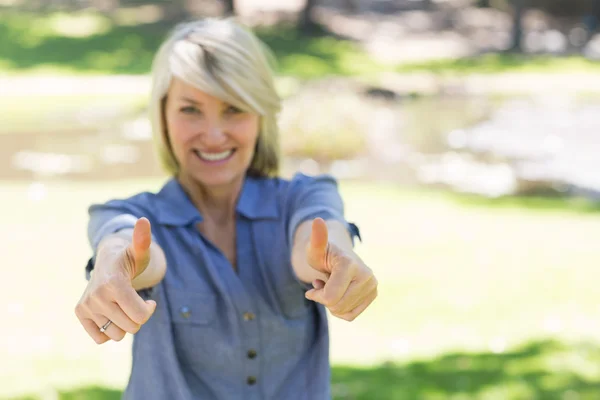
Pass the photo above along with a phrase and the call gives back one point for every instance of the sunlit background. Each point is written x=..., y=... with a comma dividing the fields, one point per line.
x=465, y=135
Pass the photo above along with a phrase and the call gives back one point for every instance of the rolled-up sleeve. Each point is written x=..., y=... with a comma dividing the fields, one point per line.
x=314, y=197
x=104, y=223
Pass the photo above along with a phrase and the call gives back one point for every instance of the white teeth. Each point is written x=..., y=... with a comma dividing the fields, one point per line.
x=214, y=156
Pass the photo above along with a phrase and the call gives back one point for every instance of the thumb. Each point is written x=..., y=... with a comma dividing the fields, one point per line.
x=317, y=247
x=151, y=307
x=140, y=245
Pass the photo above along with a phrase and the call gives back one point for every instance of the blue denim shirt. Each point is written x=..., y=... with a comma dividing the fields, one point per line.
x=218, y=334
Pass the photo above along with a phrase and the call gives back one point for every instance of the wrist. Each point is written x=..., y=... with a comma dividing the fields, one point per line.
x=112, y=256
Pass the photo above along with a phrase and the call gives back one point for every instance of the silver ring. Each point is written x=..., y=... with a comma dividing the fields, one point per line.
x=106, y=325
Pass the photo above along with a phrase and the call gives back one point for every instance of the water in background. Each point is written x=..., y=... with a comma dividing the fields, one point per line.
x=471, y=143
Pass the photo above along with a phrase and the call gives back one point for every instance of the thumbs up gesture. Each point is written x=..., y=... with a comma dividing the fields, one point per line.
x=351, y=286
x=110, y=306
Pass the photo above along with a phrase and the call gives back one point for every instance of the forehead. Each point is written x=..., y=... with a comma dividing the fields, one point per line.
x=178, y=88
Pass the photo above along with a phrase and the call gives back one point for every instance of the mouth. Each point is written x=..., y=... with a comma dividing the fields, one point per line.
x=212, y=157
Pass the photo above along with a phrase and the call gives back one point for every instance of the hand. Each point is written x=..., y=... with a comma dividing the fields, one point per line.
x=351, y=286
x=110, y=295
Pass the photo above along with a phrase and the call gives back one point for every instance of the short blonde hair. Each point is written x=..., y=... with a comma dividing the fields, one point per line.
x=226, y=60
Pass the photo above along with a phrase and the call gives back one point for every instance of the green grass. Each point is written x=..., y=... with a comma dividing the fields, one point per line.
x=471, y=291
x=89, y=43
x=505, y=63
x=544, y=370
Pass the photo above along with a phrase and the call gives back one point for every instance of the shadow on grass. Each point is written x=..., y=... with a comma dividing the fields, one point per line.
x=536, y=202
x=121, y=49
x=130, y=49
x=503, y=62
x=545, y=370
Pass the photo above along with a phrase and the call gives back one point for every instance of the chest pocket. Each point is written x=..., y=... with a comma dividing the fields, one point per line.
x=191, y=308
x=293, y=303
x=193, y=319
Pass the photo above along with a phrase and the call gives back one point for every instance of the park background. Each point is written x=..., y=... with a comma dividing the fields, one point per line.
x=464, y=133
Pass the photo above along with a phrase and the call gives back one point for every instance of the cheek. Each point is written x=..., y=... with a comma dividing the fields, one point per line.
x=246, y=132
x=180, y=130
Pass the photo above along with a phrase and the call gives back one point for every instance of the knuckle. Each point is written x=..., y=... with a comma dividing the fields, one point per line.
x=334, y=309
x=99, y=340
x=140, y=317
x=104, y=289
x=374, y=280
x=79, y=312
x=345, y=317
x=119, y=337
x=95, y=297
x=345, y=261
x=328, y=301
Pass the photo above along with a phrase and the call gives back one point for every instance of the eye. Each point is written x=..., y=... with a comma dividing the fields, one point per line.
x=189, y=110
x=233, y=110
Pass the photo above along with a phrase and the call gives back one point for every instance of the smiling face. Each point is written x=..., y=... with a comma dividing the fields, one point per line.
x=212, y=141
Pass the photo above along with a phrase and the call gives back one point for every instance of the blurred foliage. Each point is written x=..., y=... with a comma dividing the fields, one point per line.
x=89, y=42
x=545, y=370
x=61, y=113
x=55, y=42
x=323, y=125
x=429, y=135
x=557, y=8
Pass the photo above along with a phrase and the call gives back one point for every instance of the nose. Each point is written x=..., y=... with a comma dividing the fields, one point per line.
x=214, y=132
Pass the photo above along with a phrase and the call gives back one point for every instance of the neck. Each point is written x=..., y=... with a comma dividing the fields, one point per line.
x=216, y=203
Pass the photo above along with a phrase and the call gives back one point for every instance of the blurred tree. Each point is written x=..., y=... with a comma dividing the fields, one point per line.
x=517, y=29
x=229, y=7
x=307, y=23
x=591, y=20
x=176, y=10
x=352, y=6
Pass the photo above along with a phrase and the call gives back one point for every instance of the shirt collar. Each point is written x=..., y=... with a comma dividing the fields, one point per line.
x=256, y=201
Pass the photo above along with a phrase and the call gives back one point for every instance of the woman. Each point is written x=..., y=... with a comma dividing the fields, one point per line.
x=224, y=275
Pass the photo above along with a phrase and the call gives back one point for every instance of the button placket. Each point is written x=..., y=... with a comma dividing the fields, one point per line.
x=251, y=329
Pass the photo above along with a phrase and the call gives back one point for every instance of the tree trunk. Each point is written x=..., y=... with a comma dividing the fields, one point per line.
x=307, y=23
x=517, y=30
x=229, y=7
x=176, y=10
x=351, y=6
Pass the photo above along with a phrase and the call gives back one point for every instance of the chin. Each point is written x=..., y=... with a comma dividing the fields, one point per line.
x=217, y=179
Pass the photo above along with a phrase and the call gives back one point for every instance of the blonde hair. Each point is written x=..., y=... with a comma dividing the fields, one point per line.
x=226, y=60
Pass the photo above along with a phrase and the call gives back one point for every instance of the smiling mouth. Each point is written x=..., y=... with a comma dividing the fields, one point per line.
x=213, y=157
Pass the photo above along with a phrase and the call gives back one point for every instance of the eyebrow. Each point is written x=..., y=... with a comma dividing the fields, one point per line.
x=190, y=100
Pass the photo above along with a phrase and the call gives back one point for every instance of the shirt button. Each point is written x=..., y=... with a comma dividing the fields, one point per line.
x=251, y=380
x=251, y=353
x=248, y=316
x=185, y=311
